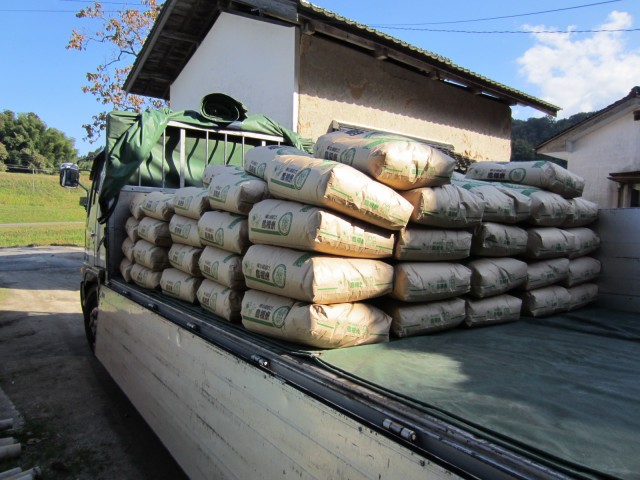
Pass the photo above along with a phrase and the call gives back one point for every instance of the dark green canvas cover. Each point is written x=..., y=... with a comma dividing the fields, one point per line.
x=564, y=390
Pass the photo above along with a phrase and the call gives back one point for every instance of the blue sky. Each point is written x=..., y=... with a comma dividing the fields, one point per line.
x=577, y=71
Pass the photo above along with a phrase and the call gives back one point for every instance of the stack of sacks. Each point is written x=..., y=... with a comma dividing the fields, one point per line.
x=427, y=280
x=317, y=251
x=183, y=279
x=223, y=231
x=558, y=237
x=146, y=248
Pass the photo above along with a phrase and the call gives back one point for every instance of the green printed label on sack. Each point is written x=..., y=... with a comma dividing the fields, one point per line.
x=219, y=193
x=280, y=276
x=300, y=178
x=279, y=316
x=284, y=224
x=517, y=175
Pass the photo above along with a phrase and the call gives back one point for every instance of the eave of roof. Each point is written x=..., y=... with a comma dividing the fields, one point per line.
x=631, y=100
x=182, y=25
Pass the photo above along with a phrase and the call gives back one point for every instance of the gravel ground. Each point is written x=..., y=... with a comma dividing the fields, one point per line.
x=76, y=423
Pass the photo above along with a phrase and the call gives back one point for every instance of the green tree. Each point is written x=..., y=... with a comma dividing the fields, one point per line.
x=3, y=157
x=124, y=32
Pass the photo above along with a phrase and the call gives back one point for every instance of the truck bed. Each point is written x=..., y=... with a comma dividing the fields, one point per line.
x=538, y=398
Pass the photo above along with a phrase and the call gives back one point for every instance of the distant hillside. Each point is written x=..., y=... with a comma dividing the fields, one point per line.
x=527, y=134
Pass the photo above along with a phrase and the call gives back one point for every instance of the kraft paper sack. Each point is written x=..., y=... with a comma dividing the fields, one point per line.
x=448, y=206
x=582, y=295
x=581, y=270
x=547, y=209
x=135, y=205
x=131, y=227
x=184, y=230
x=185, y=258
x=586, y=241
x=541, y=174
x=291, y=224
x=549, y=242
x=214, y=170
x=220, y=300
x=315, y=278
x=545, y=273
x=127, y=248
x=427, y=282
x=191, y=202
x=502, y=206
x=339, y=187
x=228, y=231
x=497, y=240
x=179, y=285
x=499, y=309
x=151, y=256
x=431, y=244
x=125, y=269
x=545, y=301
x=145, y=277
x=396, y=161
x=222, y=267
x=582, y=212
x=493, y=276
x=236, y=193
x=155, y=231
x=410, y=319
x=319, y=326
x=257, y=159
x=158, y=205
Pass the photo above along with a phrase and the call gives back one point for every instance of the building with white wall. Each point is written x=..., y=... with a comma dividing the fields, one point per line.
x=605, y=150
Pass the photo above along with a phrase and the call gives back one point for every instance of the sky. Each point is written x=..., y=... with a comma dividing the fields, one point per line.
x=593, y=63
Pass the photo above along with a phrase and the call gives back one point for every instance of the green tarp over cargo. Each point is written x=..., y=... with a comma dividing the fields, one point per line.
x=131, y=139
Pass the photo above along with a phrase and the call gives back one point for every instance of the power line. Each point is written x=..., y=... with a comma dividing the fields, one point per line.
x=438, y=30
x=497, y=18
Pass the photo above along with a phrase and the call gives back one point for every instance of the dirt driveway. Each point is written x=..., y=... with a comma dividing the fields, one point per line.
x=77, y=424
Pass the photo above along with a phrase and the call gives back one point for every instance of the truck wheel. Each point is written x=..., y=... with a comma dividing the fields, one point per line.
x=90, y=313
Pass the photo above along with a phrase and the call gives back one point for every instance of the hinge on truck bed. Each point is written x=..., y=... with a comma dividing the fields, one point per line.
x=263, y=362
x=399, y=429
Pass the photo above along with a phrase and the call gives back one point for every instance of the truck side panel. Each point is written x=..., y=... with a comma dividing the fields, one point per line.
x=223, y=418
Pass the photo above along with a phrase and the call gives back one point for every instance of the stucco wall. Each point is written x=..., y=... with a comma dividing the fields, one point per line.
x=250, y=60
x=614, y=147
x=337, y=83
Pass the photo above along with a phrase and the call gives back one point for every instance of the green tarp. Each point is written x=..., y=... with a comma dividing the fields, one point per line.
x=565, y=389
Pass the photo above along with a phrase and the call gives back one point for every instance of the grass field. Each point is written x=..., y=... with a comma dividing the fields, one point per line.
x=28, y=198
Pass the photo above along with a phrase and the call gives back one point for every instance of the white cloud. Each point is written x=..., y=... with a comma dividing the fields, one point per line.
x=582, y=72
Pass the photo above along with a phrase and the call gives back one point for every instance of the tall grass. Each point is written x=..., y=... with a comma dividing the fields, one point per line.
x=28, y=198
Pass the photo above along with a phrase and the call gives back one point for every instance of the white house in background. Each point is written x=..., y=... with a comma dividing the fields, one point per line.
x=605, y=150
x=311, y=69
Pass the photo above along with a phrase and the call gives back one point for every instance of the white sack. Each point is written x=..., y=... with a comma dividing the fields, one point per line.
x=135, y=205
x=236, y=193
x=191, y=202
x=185, y=258
x=545, y=301
x=220, y=300
x=319, y=326
x=291, y=224
x=499, y=309
x=582, y=212
x=151, y=256
x=547, y=209
x=145, y=277
x=545, y=272
x=158, y=205
x=410, y=319
x=131, y=227
x=214, y=170
x=431, y=244
x=427, y=282
x=448, y=206
x=125, y=269
x=224, y=230
x=396, y=161
x=549, y=242
x=155, y=231
x=257, y=159
x=222, y=267
x=541, y=174
x=315, y=278
x=493, y=276
x=184, y=230
x=586, y=241
x=497, y=240
x=127, y=248
x=180, y=285
x=581, y=270
x=582, y=295
x=339, y=187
